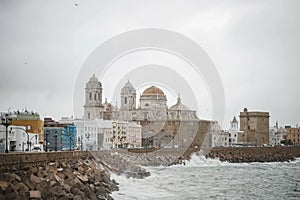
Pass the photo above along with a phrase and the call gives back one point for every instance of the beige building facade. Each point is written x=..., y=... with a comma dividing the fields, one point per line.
x=255, y=128
x=293, y=135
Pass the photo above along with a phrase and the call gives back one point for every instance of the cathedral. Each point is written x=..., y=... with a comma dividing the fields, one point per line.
x=163, y=127
x=152, y=105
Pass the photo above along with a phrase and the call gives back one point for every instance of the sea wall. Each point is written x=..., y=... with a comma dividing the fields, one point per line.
x=255, y=154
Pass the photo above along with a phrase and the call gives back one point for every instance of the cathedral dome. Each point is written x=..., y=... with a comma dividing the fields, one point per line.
x=93, y=82
x=153, y=90
x=179, y=106
x=93, y=79
x=128, y=85
x=128, y=88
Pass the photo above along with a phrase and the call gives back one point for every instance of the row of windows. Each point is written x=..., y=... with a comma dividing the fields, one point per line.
x=294, y=131
x=95, y=96
x=90, y=128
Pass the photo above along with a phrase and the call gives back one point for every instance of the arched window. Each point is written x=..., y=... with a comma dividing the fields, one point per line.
x=90, y=96
x=125, y=100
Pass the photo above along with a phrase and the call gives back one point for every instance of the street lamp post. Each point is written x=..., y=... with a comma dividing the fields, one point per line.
x=70, y=140
x=81, y=143
x=27, y=140
x=47, y=133
x=55, y=135
x=35, y=136
x=6, y=122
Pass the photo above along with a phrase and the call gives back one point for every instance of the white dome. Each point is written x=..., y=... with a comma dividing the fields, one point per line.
x=179, y=106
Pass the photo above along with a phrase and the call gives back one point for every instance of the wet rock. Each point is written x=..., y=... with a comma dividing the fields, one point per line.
x=3, y=185
x=35, y=194
x=34, y=179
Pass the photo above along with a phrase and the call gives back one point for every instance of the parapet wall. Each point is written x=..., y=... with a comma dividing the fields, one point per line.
x=18, y=160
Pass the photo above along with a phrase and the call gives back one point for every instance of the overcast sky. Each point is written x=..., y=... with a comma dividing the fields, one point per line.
x=254, y=45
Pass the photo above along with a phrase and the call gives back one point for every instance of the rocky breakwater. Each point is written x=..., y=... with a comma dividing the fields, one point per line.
x=160, y=157
x=72, y=179
x=255, y=154
x=117, y=163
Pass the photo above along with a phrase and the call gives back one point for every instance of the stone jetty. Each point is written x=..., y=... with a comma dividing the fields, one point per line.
x=255, y=154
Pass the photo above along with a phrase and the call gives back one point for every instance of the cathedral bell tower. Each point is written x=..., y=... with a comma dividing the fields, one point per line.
x=93, y=99
x=128, y=97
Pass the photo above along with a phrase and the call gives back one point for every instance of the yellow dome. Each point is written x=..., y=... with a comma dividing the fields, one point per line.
x=153, y=91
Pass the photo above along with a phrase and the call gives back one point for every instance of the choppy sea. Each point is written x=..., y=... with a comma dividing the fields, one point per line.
x=203, y=178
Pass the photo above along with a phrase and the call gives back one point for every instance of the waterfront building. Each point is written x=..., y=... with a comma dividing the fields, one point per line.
x=220, y=138
x=106, y=134
x=255, y=127
x=234, y=132
x=277, y=135
x=53, y=138
x=19, y=139
x=293, y=135
x=62, y=133
x=29, y=121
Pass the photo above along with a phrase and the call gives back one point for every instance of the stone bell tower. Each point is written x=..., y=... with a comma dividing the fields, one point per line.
x=93, y=108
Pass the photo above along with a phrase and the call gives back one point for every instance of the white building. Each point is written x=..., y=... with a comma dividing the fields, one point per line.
x=99, y=134
x=88, y=134
x=233, y=132
x=219, y=138
x=277, y=134
x=18, y=139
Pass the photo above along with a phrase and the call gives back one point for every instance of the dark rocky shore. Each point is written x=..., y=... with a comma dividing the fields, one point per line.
x=255, y=154
x=77, y=179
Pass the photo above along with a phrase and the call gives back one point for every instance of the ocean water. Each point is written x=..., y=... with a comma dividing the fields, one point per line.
x=212, y=179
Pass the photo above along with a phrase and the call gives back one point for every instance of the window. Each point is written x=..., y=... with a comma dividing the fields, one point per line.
x=89, y=115
x=90, y=96
x=95, y=97
x=125, y=100
x=98, y=96
x=145, y=116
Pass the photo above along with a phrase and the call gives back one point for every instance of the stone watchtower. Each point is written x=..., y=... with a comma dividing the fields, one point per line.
x=93, y=99
x=255, y=127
